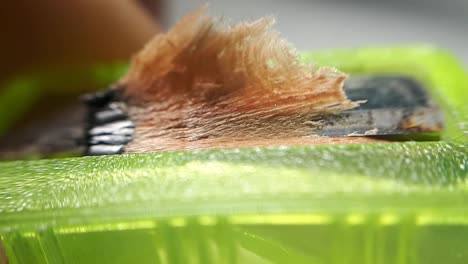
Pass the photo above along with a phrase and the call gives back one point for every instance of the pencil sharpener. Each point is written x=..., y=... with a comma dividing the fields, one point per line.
x=404, y=201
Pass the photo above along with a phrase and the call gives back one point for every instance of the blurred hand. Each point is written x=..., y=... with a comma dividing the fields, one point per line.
x=51, y=33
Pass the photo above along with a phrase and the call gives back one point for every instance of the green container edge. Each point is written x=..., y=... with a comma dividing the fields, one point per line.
x=432, y=178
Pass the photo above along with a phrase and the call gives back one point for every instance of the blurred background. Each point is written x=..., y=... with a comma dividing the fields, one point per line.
x=324, y=24
x=46, y=45
x=53, y=33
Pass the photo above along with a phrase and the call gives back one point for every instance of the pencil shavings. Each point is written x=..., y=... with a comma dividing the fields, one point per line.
x=206, y=84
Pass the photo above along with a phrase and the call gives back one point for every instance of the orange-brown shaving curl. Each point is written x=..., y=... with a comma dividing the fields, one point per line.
x=204, y=81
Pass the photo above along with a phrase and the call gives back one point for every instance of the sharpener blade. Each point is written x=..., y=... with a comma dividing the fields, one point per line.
x=394, y=105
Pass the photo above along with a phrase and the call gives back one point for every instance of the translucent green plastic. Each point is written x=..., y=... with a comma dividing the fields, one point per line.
x=404, y=202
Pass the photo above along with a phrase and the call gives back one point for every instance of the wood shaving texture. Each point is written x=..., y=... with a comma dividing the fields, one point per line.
x=205, y=84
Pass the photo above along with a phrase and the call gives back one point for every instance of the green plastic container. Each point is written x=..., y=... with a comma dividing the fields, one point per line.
x=401, y=202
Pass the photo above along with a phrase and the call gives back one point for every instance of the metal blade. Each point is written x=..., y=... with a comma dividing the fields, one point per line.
x=394, y=105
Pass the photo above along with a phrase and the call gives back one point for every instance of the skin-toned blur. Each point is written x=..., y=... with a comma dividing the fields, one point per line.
x=55, y=33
